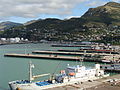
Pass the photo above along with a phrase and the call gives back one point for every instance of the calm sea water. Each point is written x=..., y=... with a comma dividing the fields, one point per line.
x=12, y=68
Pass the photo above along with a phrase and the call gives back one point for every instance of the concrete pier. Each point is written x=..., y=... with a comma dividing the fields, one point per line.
x=91, y=51
x=71, y=53
x=43, y=56
x=68, y=45
x=53, y=57
x=111, y=68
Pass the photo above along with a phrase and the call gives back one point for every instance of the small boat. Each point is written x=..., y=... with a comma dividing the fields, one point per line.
x=71, y=75
x=106, y=61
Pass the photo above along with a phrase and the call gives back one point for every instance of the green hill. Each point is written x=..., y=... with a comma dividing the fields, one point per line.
x=8, y=24
x=108, y=14
x=97, y=24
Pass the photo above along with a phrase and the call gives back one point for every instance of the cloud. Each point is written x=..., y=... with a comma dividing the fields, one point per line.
x=68, y=17
x=116, y=0
x=33, y=8
x=96, y=3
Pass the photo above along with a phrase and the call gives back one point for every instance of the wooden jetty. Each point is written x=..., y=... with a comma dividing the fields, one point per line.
x=70, y=53
x=53, y=57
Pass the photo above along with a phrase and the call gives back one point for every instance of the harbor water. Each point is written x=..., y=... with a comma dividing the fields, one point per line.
x=12, y=68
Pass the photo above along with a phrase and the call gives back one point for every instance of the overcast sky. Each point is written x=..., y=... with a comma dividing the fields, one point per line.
x=25, y=10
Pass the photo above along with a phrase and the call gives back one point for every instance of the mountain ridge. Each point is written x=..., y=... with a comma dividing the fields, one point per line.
x=8, y=24
x=107, y=13
x=96, y=24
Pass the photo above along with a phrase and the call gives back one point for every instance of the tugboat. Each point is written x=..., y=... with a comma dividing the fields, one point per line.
x=71, y=75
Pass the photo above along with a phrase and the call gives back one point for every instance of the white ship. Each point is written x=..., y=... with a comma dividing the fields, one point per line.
x=71, y=75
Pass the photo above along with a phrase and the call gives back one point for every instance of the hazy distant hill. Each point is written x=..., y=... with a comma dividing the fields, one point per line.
x=8, y=24
x=30, y=22
x=96, y=24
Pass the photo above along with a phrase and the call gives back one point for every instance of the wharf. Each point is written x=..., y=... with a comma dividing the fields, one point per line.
x=107, y=83
x=62, y=45
x=43, y=56
x=91, y=51
x=111, y=68
x=53, y=57
x=70, y=53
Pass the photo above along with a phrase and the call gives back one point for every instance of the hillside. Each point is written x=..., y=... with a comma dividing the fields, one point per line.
x=8, y=24
x=97, y=24
x=108, y=14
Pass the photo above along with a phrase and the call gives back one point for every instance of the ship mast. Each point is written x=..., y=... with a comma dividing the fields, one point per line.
x=31, y=77
x=30, y=71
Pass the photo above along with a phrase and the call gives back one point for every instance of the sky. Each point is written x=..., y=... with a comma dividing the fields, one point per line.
x=22, y=11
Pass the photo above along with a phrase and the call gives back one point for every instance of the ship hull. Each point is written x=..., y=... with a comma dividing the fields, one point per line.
x=33, y=86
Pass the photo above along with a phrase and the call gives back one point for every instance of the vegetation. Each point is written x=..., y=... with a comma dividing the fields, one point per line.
x=97, y=24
